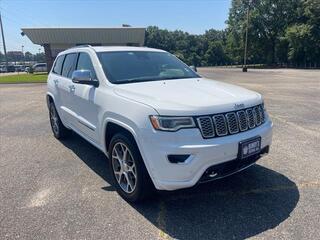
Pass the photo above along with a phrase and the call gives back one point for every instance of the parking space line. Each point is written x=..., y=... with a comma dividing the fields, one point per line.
x=161, y=221
x=296, y=126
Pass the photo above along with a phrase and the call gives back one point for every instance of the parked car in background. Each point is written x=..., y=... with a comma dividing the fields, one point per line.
x=3, y=69
x=11, y=68
x=39, y=67
x=19, y=68
x=27, y=69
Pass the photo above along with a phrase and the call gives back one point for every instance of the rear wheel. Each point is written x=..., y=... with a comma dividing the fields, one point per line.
x=58, y=129
x=130, y=175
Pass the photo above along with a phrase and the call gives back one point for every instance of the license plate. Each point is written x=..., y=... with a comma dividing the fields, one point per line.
x=249, y=147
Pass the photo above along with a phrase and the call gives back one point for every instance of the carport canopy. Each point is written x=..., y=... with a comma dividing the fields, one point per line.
x=55, y=40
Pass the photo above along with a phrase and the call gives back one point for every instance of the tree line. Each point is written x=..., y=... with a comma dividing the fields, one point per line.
x=285, y=33
x=18, y=56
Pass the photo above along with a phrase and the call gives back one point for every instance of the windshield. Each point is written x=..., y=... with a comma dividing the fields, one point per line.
x=141, y=66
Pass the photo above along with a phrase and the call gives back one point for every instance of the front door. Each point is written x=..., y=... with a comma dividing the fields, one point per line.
x=83, y=100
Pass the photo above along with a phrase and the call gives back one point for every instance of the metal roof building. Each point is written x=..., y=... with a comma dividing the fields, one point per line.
x=55, y=40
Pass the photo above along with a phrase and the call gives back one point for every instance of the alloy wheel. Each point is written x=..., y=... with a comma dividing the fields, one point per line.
x=54, y=120
x=124, y=167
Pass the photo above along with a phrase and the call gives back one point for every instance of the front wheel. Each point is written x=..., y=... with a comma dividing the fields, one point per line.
x=130, y=175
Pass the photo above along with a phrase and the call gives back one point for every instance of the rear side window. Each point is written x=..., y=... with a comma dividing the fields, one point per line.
x=85, y=63
x=69, y=65
x=58, y=65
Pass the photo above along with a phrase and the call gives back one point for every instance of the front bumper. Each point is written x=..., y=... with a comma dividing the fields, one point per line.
x=228, y=168
x=155, y=146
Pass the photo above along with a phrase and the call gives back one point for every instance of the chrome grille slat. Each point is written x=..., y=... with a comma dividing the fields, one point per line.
x=243, y=121
x=232, y=122
x=256, y=115
x=261, y=110
x=206, y=126
x=219, y=125
x=250, y=117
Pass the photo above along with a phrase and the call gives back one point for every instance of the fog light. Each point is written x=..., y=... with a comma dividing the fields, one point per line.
x=181, y=158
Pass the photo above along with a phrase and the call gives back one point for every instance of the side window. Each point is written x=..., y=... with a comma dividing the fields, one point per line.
x=58, y=65
x=85, y=63
x=69, y=65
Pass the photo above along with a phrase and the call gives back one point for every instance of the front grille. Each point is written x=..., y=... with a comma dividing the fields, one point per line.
x=219, y=125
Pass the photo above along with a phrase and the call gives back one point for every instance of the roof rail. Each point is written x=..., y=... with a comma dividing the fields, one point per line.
x=84, y=45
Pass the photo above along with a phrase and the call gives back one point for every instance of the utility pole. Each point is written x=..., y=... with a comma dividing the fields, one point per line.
x=4, y=42
x=22, y=54
x=244, y=68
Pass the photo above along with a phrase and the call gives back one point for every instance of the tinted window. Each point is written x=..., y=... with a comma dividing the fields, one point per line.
x=58, y=65
x=69, y=65
x=84, y=63
x=139, y=66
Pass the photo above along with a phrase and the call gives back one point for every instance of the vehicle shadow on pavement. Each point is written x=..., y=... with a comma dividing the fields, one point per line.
x=91, y=156
x=237, y=207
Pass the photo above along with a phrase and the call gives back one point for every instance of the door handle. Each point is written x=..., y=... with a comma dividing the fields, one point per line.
x=56, y=81
x=72, y=88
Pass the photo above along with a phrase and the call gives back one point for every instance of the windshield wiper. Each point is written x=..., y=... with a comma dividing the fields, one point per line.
x=147, y=79
x=172, y=78
x=138, y=79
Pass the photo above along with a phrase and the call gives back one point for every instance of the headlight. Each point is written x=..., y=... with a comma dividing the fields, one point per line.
x=171, y=123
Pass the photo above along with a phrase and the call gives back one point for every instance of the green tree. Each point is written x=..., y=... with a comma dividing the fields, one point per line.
x=278, y=32
x=195, y=50
x=268, y=21
x=28, y=56
x=303, y=37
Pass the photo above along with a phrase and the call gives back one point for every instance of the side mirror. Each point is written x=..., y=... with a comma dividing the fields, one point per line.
x=84, y=77
x=193, y=68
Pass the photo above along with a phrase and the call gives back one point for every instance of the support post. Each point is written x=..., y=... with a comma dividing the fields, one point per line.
x=4, y=42
x=48, y=54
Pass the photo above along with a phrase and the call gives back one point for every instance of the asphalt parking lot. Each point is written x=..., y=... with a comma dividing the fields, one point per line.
x=61, y=190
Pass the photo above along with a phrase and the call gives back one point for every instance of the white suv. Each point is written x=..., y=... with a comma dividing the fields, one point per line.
x=39, y=67
x=160, y=124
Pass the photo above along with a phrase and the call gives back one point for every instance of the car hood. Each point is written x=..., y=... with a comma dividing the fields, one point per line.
x=194, y=96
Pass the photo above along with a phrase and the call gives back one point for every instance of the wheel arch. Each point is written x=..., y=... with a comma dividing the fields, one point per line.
x=112, y=127
x=120, y=126
x=49, y=98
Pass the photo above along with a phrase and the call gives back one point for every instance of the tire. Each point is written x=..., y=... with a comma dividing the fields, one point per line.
x=57, y=127
x=142, y=187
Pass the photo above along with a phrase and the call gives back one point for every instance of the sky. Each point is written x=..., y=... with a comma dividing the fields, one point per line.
x=193, y=16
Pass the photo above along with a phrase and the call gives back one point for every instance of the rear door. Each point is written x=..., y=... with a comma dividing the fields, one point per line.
x=66, y=88
x=55, y=76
